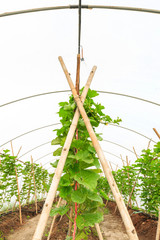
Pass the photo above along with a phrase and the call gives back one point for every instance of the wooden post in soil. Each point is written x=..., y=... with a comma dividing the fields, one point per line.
x=158, y=225
x=129, y=201
x=118, y=198
x=98, y=231
x=53, y=188
x=54, y=219
x=70, y=222
x=20, y=211
x=134, y=182
x=23, y=163
x=35, y=194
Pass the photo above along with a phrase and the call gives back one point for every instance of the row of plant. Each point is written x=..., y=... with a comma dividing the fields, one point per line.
x=140, y=180
x=29, y=177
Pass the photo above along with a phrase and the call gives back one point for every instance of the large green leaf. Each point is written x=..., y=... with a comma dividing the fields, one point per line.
x=65, y=180
x=92, y=93
x=65, y=192
x=57, y=152
x=94, y=197
x=79, y=195
x=89, y=219
x=84, y=156
x=81, y=236
x=56, y=141
x=61, y=210
x=87, y=178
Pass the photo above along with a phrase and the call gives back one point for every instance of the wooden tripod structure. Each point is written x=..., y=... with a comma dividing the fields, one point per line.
x=107, y=171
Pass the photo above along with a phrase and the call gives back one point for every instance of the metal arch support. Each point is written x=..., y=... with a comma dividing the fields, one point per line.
x=23, y=134
x=36, y=129
x=131, y=130
x=55, y=156
x=62, y=91
x=50, y=142
x=32, y=96
x=129, y=96
x=104, y=140
x=123, y=8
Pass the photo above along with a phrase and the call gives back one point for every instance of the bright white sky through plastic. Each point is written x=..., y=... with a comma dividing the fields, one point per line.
x=124, y=45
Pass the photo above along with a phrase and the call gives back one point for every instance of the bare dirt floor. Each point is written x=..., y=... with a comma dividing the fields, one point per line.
x=112, y=227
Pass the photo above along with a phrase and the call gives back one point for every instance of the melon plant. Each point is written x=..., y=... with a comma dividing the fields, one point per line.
x=82, y=169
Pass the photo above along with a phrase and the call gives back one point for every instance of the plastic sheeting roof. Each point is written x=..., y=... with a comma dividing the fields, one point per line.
x=123, y=45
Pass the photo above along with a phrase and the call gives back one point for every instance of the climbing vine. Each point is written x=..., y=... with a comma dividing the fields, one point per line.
x=82, y=166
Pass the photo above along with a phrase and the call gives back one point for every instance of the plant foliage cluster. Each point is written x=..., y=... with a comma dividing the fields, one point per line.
x=144, y=175
x=8, y=182
x=82, y=165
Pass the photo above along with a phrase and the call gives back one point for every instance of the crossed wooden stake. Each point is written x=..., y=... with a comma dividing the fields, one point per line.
x=107, y=171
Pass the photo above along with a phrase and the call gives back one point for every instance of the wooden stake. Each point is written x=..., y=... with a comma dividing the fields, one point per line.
x=156, y=132
x=78, y=73
x=149, y=144
x=135, y=152
x=129, y=201
x=53, y=188
x=98, y=231
x=35, y=194
x=54, y=219
x=19, y=151
x=118, y=198
x=111, y=166
x=122, y=160
x=70, y=222
x=20, y=211
x=158, y=227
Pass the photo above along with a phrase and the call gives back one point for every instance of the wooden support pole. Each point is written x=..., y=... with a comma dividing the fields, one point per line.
x=118, y=198
x=98, y=231
x=20, y=211
x=35, y=193
x=53, y=188
x=18, y=152
x=70, y=222
x=54, y=219
x=135, y=152
x=158, y=228
x=122, y=160
x=156, y=132
x=78, y=73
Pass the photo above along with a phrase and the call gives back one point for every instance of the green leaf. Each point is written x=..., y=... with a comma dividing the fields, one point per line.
x=89, y=219
x=79, y=196
x=65, y=180
x=57, y=152
x=92, y=93
x=87, y=178
x=65, y=192
x=94, y=197
x=81, y=236
x=54, y=164
x=84, y=156
x=56, y=141
x=61, y=210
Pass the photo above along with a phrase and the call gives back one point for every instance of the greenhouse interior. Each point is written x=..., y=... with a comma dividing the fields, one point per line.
x=80, y=120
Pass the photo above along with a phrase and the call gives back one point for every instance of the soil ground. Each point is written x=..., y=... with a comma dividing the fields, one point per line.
x=112, y=226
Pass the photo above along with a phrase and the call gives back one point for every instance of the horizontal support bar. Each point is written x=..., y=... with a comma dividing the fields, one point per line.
x=6, y=14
